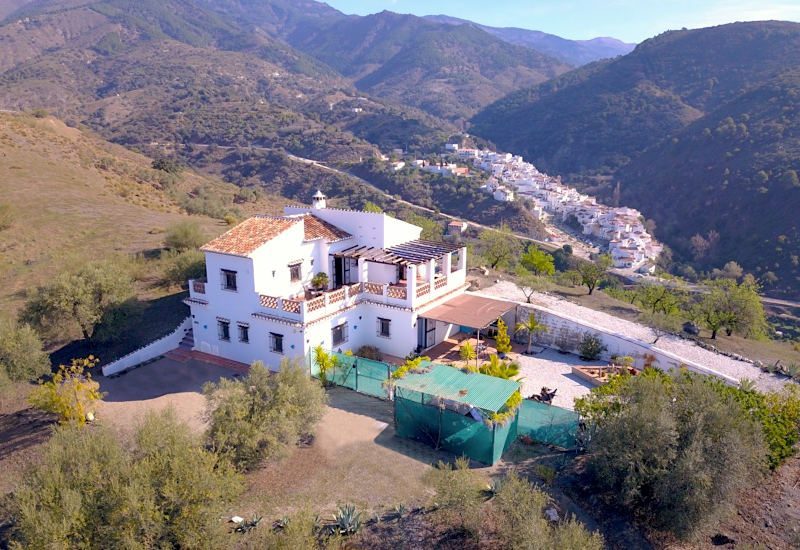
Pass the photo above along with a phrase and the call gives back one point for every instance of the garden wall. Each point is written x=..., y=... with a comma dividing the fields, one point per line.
x=150, y=351
x=565, y=333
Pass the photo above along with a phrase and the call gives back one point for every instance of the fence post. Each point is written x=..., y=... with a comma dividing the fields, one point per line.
x=355, y=366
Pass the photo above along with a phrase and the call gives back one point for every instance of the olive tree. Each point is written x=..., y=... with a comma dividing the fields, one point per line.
x=498, y=247
x=592, y=273
x=90, y=491
x=80, y=298
x=257, y=417
x=672, y=448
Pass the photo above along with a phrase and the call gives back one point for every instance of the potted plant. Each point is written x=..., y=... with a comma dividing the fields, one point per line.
x=319, y=281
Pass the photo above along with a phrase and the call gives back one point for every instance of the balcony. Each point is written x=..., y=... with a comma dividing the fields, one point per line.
x=403, y=294
x=197, y=291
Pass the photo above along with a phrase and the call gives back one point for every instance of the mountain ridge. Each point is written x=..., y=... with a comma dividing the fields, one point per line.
x=574, y=52
x=629, y=121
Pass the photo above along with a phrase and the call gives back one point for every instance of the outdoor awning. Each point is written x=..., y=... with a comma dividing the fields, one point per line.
x=410, y=253
x=469, y=310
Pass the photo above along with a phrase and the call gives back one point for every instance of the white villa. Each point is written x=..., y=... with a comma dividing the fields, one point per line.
x=258, y=303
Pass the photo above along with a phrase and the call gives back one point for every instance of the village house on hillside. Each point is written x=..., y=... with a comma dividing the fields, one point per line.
x=263, y=298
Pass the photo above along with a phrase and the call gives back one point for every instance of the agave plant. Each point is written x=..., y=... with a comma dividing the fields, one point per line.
x=400, y=510
x=346, y=520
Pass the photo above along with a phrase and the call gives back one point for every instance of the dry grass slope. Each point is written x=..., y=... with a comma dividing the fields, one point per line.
x=75, y=197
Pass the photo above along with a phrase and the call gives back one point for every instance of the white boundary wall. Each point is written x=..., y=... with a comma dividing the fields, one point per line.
x=618, y=344
x=150, y=351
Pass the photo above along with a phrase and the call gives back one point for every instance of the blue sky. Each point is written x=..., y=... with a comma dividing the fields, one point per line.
x=629, y=20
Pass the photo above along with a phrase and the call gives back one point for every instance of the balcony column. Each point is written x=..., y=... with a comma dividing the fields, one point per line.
x=362, y=270
x=462, y=259
x=431, y=272
x=448, y=263
x=411, y=283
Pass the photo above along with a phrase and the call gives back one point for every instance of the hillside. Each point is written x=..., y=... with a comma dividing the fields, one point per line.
x=75, y=197
x=698, y=127
x=572, y=52
x=448, y=71
x=600, y=116
x=735, y=171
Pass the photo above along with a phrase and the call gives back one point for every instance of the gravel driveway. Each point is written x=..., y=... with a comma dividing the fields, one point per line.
x=682, y=348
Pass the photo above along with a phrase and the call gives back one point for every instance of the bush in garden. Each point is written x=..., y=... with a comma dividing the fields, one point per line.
x=591, y=346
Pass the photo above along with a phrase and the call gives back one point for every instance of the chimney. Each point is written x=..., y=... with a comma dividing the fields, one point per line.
x=318, y=202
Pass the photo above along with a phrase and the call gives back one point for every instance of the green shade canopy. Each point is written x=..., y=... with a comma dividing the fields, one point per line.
x=471, y=388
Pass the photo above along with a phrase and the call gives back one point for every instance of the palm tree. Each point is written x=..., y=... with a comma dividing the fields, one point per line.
x=531, y=326
x=467, y=353
x=499, y=369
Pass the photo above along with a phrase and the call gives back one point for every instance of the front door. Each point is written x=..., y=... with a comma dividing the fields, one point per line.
x=426, y=333
x=338, y=272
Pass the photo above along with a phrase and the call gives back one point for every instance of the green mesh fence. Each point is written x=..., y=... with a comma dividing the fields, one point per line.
x=548, y=424
x=356, y=373
x=417, y=417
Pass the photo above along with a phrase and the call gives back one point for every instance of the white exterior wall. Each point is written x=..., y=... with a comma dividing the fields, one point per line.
x=255, y=276
x=381, y=273
x=369, y=228
x=276, y=255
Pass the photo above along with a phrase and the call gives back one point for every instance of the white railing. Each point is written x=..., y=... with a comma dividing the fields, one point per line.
x=150, y=351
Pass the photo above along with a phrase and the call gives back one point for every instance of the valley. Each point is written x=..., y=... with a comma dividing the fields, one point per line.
x=276, y=275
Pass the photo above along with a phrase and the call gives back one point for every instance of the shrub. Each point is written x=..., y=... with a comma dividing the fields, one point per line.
x=519, y=516
x=467, y=352
x=370, y=352
x=167, y=165
x=71, y=394
x=89, y=491
x=257, y=417
x=180, y=267
x=21, y=354
x=591, y=346
x=674, y=449
x=326, y=363
x=499, y=369
x=458, y=494
x=320, y=280
x=184, y=235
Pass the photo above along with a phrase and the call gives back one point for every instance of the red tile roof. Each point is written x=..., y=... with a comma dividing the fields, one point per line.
x=316, y=228
x=249, y=235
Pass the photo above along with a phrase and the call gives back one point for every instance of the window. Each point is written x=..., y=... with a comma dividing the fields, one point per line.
x=224, y=330
x=384, y=327
x=228, y=280
x=295, y=273
x=339, y=334
x=275, y=342
x=244, y=333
